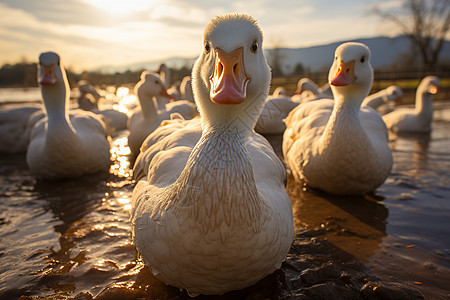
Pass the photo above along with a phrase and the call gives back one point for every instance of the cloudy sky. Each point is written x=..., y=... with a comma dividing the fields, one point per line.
x=93, y=33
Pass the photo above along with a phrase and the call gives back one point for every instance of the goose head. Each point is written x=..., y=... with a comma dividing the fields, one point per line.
x=428, y=86
x=52, y=80
x=231, y=76
x=351, y=73
x=306, y=84
x=279, y=91
x=394, y=94
x=150, y=86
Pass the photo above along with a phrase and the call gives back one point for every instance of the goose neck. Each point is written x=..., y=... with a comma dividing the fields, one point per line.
x=424, y=105
x=147, y=105
x=217, y=186
x=344, y=127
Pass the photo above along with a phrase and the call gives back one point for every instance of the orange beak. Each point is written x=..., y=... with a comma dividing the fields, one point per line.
x=433, y=90
x=165, y=94
x=229, y=80
x=298, y=91
x=345, y=74
x=47, y=75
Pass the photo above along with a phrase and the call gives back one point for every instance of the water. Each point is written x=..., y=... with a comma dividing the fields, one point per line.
x=72, y=238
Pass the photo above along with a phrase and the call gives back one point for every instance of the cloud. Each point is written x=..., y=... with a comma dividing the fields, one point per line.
x=88, y=36
x=85, y=46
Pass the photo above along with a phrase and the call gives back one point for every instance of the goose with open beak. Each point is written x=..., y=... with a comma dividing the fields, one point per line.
x=210, y=212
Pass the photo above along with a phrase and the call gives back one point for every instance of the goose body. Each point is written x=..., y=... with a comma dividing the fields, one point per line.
x=334, y=145
x=64, y=144
x=384, y=100
x=271, y=119
x=418, y=119
x=144, y=121
x=16, y=120
x=210, y=213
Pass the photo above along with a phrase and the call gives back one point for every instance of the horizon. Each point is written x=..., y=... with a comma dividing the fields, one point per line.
x=90, y=34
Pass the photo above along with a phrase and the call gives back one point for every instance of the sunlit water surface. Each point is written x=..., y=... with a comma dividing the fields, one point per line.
x=73, y=238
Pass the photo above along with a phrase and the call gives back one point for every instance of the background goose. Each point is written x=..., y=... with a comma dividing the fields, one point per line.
x=279, y=92
x=418, y=119
x=308, y=90
x=384, y=100
x=334, y=145
x=271, y=119
x=15, y=126
x=62, y=144
x=88, y=99
x=165, y=74
x=186, y=89
x=147, y=119
x=212, y=214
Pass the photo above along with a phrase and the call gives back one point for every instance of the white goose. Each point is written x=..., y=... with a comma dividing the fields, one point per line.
x=383, y=100
x=144, y=121
x=418, y=119
x=88, y=96
x=212, y=215
x=279, y=92
x=62, y=144
x=334, y=145
x=308, y=90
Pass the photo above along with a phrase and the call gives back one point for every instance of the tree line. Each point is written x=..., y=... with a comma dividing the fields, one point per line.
x=24, y=74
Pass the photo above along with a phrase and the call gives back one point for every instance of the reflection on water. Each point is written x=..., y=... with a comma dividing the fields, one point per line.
x=356, y=225
x=71, y=237
x=124, y=101
x=119, y=152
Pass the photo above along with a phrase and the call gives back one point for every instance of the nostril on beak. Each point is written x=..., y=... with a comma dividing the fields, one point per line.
x=236, y=69
x=220, y=68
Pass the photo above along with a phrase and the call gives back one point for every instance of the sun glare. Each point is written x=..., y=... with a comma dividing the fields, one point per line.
x=122, y=7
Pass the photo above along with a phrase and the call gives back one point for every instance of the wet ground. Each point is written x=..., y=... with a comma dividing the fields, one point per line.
x=71, y=239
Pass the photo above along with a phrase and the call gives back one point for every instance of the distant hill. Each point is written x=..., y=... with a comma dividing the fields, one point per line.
x=386, y=52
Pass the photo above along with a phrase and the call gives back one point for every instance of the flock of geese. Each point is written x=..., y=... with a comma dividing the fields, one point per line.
x=210, y=212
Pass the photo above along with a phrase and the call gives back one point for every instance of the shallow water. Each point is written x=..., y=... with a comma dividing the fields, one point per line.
x=72, y=238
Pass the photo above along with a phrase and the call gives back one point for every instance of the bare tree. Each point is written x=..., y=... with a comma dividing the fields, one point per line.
x=426, y=23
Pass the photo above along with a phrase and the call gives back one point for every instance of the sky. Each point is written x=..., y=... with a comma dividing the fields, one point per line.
x=93, y=33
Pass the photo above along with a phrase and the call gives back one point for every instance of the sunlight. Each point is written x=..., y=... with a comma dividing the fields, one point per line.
x=126, y=100
x=119, y=151
x=125, y=201
x=119, y=7
x=122, y=91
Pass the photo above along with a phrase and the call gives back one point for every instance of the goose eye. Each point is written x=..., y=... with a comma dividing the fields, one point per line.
x=335, y=57
x=207, y=47
x=156, y=81
x=363, y=59
x=254, y=47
